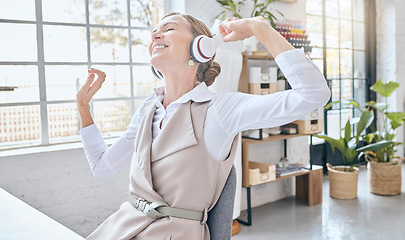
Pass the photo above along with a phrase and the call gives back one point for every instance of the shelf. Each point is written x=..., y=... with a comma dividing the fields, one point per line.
x=259, y=57
x=272, y=138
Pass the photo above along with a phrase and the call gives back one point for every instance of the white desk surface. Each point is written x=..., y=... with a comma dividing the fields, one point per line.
x=19, y=221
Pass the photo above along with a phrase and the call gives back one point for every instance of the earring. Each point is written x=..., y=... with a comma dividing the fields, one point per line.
x=191, y=62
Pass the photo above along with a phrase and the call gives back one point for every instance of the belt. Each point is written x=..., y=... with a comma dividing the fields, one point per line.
x=160, y=209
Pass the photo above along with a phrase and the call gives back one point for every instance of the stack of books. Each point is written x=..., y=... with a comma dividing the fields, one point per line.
x=288, y=170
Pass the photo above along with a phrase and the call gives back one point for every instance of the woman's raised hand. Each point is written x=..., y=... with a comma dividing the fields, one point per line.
x=234, y=30
x=90, y=88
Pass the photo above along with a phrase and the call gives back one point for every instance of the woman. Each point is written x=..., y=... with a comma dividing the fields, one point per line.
x=181, y=141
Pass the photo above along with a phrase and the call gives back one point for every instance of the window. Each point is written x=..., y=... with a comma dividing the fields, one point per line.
x=338, y=35
x=46, y=48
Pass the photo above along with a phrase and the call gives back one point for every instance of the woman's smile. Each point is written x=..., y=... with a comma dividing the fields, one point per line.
x=158, y=47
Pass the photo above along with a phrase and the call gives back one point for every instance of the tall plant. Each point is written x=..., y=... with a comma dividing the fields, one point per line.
x=382, y=144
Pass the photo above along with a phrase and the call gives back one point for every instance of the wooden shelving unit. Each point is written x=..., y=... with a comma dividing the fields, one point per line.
x=308, y=182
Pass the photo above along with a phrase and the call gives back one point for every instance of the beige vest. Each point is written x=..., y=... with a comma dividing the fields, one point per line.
x=176, y=168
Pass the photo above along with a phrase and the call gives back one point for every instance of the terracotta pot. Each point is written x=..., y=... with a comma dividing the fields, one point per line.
x=342, y=184
x=384, y=178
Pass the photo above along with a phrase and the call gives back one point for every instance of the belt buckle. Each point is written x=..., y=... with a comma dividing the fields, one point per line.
x=149, y=208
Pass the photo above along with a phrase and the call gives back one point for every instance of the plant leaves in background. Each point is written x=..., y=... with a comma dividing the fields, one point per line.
x=385, y=89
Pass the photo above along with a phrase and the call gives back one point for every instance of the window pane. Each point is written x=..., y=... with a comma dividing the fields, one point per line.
x=18, y=42
x=314, y=28
x=346, y=63
x=332, y=32
x=332, y=63
x=359, y=64
x=64, y=11
x=332, y=8
x=317, y=52
x=19, y=124
x=63, y=82
x=112, y=116
x=63, y=120
x=347, y=90
x=314, y=7
x=336, y=118
x=17, y=9
x=65, y=44
x=146, y=13
x=319, y=64
x=360, y=90
x=24, y=78
x=359, y=36
x=140, y=45
x=108, y=12
x=117, y=83
x=109, y=45
x=345, y=9
x=346, y=39
x=335, y=90
x=358, y=12
x=144, y=81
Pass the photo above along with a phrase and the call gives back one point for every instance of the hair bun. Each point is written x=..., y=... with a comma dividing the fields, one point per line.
x=207, y=72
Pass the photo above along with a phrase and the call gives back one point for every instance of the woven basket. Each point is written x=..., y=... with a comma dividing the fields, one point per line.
x=342, y=185
x=384, y=178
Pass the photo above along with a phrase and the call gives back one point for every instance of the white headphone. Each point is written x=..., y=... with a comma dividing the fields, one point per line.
x=202, y=49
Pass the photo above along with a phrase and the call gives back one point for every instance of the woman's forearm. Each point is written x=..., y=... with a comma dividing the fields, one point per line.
x=270, y=38
x=85, y=116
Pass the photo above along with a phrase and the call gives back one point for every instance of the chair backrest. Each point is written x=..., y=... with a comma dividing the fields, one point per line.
x=220, y=217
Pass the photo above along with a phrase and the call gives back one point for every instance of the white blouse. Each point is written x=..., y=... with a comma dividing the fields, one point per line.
x=227, y=114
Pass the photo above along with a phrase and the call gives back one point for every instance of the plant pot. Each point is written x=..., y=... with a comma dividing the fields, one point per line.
x=342, y=184
x=384, y=178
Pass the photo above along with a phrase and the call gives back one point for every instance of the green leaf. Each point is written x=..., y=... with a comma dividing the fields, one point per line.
x=280, y=13
x=329, y=105
x=369, y=138
x=339, y=144
x=397, y=118
x=348, y=131
x=379, y=106
x=223, y=3
x=385, y=89
x=376, y=146
x=354, y=103
x=366, y=119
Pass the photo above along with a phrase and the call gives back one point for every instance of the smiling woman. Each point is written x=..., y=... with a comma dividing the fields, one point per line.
x=182, y=141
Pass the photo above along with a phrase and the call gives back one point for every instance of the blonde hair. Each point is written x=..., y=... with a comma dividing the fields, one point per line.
x=206, y=72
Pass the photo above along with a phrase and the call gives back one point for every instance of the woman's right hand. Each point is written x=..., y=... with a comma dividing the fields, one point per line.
x=90, y=88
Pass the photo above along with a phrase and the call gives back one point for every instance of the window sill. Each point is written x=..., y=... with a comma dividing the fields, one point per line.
x=49, y=148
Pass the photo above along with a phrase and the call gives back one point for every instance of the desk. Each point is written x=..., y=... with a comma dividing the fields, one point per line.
x=20, y=221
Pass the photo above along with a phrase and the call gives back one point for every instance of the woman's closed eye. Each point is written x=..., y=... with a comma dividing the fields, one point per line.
x=169, y=29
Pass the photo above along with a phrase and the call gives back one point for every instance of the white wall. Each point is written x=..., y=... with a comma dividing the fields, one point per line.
x=390, y=54
x=61, y=185
x=400, y=72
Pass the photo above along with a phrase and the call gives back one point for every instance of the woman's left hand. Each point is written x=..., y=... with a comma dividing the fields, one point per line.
x=235, y=30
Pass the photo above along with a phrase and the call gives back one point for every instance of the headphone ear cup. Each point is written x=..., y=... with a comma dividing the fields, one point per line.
x=155, y=72
x=196, y=49
x=192, y=54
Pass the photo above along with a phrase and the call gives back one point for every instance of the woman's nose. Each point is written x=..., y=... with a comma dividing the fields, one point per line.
x=157, y=35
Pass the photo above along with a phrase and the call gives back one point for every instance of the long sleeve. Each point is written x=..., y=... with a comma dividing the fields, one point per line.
x=104, y=160
x=239, y=112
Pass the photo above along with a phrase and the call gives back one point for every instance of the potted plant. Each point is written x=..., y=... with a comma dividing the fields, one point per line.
x=343, y=179
x=384, y=168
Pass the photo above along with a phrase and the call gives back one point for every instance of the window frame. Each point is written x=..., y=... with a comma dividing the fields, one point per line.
x=43, y=103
